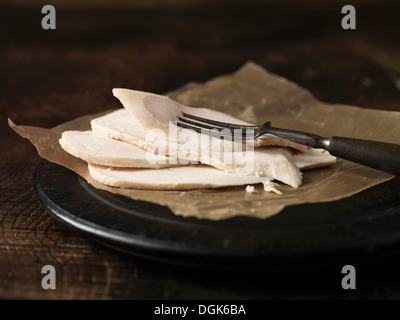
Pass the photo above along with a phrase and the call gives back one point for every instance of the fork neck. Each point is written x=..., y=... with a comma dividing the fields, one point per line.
x=308, y=139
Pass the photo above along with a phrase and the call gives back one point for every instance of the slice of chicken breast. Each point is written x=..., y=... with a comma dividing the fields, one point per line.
x=178, y=178
x=312, y=159
x=104, y=151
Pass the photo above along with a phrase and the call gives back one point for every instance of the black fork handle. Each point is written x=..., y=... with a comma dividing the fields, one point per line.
x=378, y=155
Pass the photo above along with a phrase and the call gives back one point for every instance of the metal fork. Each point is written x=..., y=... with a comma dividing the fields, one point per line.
x=378, y=155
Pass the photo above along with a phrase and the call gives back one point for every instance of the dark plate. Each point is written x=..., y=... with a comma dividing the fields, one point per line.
x=362, y=226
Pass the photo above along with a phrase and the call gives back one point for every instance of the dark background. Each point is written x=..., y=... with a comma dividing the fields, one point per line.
x=51, y=76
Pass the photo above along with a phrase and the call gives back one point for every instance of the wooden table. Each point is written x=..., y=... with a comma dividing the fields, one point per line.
x=48, y=77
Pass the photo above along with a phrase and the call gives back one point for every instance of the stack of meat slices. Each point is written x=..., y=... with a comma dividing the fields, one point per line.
x=139, y=146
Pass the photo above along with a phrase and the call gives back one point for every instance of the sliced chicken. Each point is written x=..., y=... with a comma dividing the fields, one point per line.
x=122, y=126
x=104, y=151
x=110, y=152
x=178, y=178
x=156, y=112
x=146, y=123
x=313, y=158
x=270, y=162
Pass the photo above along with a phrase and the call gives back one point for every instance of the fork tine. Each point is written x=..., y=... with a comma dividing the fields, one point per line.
x=216, y=123
x=198, y=124
x=214, y=132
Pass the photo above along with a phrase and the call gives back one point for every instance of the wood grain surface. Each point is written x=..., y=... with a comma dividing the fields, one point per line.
x=48, y=77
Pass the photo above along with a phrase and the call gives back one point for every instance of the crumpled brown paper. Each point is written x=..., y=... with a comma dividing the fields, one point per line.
x=254, y=95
